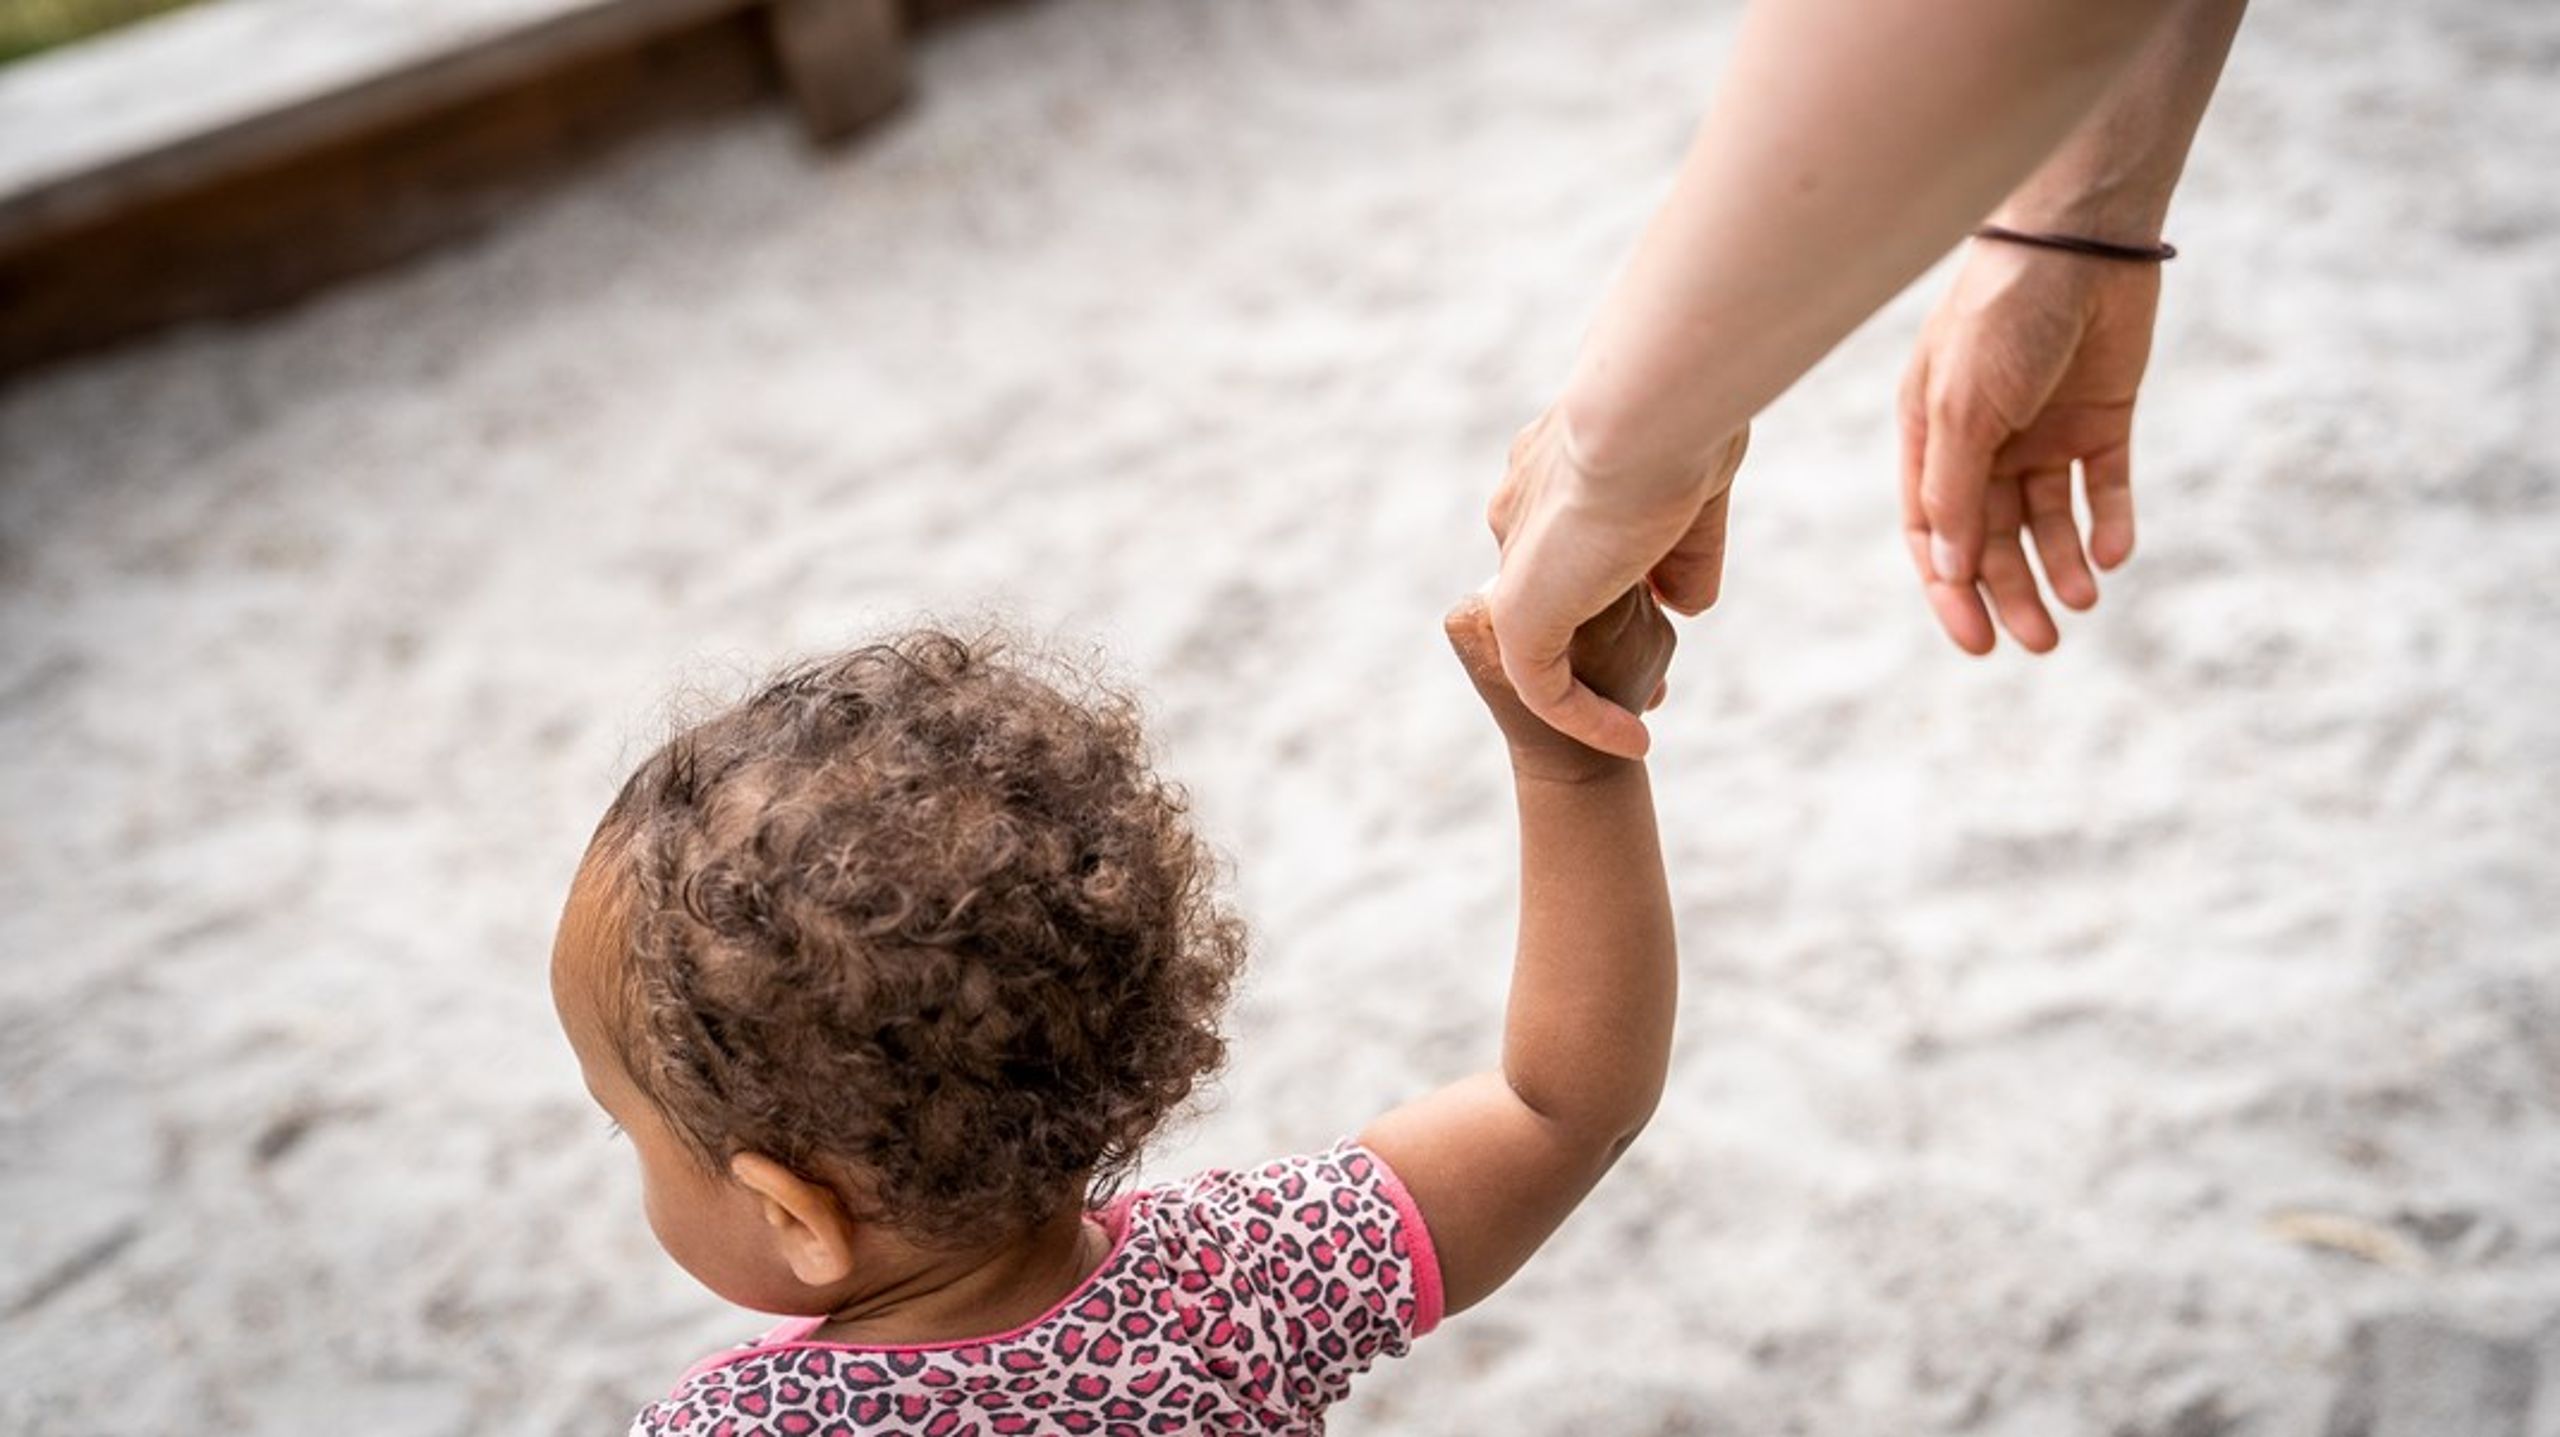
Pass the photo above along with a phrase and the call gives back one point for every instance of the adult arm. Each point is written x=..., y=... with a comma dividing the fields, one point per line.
x=1850, y=143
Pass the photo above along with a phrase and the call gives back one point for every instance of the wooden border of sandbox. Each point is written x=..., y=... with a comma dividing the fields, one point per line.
x=264, y=203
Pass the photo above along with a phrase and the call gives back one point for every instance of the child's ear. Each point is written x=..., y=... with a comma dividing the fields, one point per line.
x=810, y=1225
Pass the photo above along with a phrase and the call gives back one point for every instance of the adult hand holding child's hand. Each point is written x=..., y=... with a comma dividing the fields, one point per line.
x=1620, y=654
x=1575, y=542
x=1852, y=143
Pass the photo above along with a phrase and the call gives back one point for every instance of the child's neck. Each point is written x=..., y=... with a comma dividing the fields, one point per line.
x=979, y=1292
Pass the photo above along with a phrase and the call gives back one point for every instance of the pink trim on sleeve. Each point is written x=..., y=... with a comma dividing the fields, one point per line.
x=1428, y=1298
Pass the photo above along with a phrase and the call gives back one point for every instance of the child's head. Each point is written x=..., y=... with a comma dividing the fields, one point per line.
x=910, y=932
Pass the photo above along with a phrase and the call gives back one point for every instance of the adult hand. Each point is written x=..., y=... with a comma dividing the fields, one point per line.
x=1573, y=542
x=2028, y=366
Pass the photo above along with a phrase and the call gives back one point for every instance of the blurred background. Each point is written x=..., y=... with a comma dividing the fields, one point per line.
x=403, y=405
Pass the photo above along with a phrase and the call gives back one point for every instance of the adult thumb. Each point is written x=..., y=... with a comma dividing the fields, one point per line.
x=1536, y=660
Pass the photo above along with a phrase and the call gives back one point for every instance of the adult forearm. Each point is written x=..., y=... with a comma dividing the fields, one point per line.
x=1850, y=143
x=2113, y=177
x=1588, y=1034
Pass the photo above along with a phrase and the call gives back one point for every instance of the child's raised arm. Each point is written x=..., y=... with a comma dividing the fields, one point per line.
x=1496, y=1161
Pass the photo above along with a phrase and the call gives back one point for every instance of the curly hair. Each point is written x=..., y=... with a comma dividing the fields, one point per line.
x=916, y=918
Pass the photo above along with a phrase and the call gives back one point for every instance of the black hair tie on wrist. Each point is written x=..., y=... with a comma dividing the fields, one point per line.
x=2077, y=244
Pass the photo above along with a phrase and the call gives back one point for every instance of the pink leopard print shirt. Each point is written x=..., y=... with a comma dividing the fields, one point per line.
x=1233, y=1302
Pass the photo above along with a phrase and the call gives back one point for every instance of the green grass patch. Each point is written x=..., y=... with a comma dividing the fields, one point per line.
x=29, y=26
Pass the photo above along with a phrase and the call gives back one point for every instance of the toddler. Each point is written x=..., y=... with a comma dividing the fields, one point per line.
x=889, y=972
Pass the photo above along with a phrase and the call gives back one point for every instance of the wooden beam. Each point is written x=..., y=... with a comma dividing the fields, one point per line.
x=844, y=61
x=361, y=77
x=265, y=238
x=237, y=156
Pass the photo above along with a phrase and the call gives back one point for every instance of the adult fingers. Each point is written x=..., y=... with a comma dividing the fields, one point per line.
x=1961, y=439
x=2108, y=475
x=2006, y=577
x=1691, y=576
x=2047, y=493
x=1958, y=607
x=1536, y=661
x=1573, y=709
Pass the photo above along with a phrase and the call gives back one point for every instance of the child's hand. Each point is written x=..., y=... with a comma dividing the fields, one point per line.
x=1622, y=653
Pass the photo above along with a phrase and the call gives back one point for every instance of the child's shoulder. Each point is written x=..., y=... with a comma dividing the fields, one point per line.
x=1261, y=1291
x=1329, y=1240
x=1341, y=1208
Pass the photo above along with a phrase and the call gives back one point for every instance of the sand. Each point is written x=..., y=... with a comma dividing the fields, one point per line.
x=2029, y=1004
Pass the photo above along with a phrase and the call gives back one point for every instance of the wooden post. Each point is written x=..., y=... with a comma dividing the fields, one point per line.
x=844, y=61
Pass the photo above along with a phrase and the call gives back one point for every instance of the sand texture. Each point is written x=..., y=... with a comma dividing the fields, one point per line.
x=2068, y=1046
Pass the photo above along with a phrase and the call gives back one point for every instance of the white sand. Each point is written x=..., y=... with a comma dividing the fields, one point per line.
x=2019, y=994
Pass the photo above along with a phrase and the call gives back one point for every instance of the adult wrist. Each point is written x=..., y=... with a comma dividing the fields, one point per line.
x=2118, y=213
x=1631, y=446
